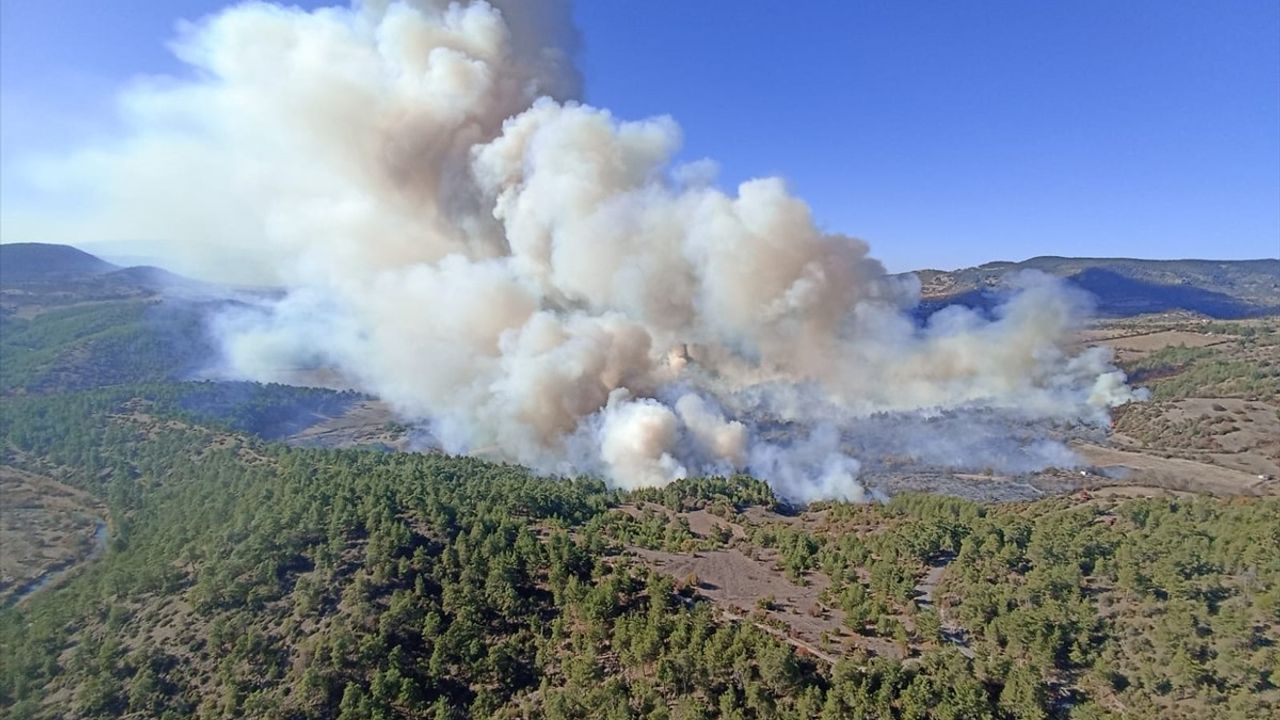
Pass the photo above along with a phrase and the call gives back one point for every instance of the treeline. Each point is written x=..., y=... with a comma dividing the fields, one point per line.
x=268, y=410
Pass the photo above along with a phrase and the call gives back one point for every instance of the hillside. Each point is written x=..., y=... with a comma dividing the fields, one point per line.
x=248, y=579
x=1126, y=287
x=171, y=552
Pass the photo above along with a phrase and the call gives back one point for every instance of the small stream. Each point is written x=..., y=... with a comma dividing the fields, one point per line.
x=101, y=534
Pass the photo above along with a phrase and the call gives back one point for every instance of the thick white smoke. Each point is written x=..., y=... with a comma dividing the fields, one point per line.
x=530, y=275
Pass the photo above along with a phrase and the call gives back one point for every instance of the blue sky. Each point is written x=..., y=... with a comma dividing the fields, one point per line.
x=946, y=134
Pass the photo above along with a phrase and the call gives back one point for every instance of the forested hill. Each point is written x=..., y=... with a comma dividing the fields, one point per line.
x=1125, y=286
x=71, y=322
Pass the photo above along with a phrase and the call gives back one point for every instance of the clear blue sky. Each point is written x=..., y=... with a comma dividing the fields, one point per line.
x=946, y=134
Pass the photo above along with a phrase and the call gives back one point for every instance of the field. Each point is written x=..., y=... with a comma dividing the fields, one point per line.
x=749, y=583
x=367, y=423
x=1213, y=423
x=46, y=528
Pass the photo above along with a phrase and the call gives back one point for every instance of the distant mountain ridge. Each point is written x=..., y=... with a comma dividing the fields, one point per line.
x=1125, y=286
x=46, y=274
x=26, y=262
x=1122, y=286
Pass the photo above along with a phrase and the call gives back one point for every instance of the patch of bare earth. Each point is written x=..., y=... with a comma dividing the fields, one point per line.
x=747, y=583
x=1140, y=468
x=737, y=583
x=368, y=422
x=1132, y=347
x=45, y=527
x=1234, y=433
x=706, y=524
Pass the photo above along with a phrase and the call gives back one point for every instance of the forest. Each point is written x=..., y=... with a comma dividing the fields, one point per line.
x=246, y=578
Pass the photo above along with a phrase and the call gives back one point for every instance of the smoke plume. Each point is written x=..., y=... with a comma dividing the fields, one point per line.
x=531, y=276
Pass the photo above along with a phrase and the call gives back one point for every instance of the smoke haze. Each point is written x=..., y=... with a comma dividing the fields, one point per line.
x=535, y=279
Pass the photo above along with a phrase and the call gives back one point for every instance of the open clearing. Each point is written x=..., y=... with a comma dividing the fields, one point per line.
x=1142, y=344
x=45, y=527
x=747, y=583
x=1176, y=473
x=367, y=422
x=1213, y=423
x=1233, y=433
x=736, y=583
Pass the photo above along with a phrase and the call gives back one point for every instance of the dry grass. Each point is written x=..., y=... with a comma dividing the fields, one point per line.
x=368, y=422
x=45, y=526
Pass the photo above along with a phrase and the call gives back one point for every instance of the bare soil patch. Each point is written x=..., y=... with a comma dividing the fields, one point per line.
x=737, y=583
x=1150, y=342
x=1138, y=491
x=1233, y=433
x=45, y=527
x=705, y=524
x=1176, y=473
x=367, y=422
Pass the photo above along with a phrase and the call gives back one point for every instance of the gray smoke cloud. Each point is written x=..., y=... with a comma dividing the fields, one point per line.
x=533, y=276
